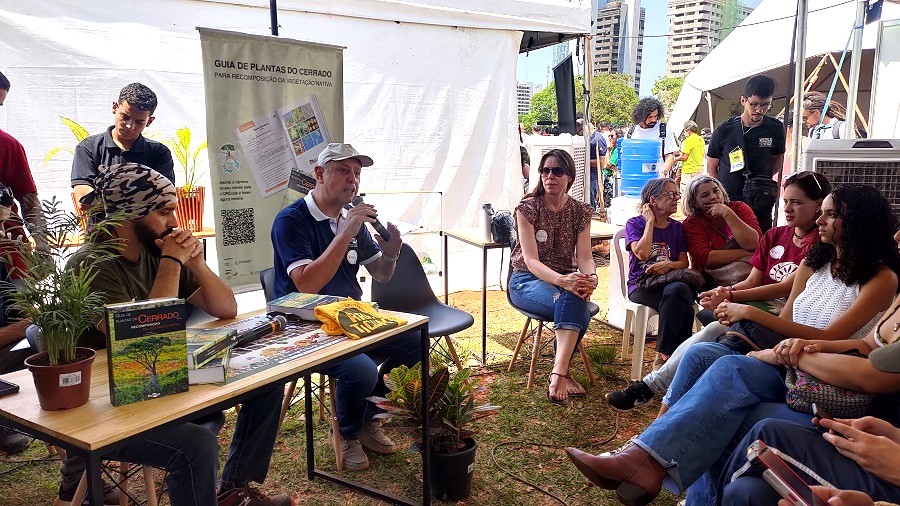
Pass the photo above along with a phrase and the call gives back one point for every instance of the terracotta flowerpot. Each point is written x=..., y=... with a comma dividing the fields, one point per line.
x=62, y=386
x=190, y=208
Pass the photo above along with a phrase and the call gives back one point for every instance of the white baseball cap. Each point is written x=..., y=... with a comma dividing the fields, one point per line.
x=340, y=151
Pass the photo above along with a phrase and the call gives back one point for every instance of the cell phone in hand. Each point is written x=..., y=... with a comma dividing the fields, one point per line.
x=781, y=477
x=7, y=388
x=823, y=415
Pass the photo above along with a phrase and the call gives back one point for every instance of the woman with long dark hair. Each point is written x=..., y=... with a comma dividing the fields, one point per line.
x=553, y=270
x=840, y=290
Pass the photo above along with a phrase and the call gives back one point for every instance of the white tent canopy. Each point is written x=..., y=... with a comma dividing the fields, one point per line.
x=429, y=85
x=762, y=44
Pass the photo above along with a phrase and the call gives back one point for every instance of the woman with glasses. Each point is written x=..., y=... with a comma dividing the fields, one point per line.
x=840, y=291
x=553, y=271
x=773, y=264
x=823, y=122
x=657, y=245
x=721, y=233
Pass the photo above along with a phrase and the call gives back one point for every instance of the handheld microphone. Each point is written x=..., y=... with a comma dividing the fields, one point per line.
x=276, y=324
x=357, y=200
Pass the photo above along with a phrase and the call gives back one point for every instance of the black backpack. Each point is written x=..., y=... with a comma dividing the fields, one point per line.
x=503, y=228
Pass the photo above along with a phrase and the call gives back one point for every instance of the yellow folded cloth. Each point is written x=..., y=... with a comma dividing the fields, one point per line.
x=354, y=318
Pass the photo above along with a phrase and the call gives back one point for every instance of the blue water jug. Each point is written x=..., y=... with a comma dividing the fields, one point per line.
x=638, y=162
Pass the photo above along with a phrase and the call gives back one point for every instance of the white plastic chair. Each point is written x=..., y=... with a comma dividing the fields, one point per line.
x=636, y=315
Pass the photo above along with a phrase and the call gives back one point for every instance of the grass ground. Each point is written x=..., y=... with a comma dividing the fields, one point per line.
x=527, y=437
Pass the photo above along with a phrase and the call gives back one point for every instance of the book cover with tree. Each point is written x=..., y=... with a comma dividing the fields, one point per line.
x=146, y=350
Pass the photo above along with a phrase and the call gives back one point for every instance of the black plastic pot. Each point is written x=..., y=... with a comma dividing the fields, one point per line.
x=451, y=474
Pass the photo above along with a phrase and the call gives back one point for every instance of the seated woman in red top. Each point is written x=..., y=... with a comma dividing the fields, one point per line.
x=719, y=231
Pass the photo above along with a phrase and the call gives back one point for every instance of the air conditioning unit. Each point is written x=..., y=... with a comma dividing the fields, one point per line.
x=539, y=145
x=874, y=162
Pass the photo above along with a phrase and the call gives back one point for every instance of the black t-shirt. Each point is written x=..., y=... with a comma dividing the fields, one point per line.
x=760, y=144
x=101, y=149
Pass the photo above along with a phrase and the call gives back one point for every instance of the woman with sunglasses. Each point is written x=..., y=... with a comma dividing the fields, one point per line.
x=720, y=232
x=657, y=245
x=840, y=291
x=553, y=271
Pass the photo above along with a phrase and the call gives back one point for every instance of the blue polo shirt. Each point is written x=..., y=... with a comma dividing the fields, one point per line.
x=301, y=233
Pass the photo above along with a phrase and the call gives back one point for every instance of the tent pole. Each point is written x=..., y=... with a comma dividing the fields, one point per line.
x=709, y=109
x=586, y=84
x=273, y=13
x=799, y=75
x=855, y=60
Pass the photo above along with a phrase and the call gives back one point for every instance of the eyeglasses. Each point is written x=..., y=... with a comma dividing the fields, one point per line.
x=674, y=195
x=765, y=106
x=557, y=171
x=802, y=175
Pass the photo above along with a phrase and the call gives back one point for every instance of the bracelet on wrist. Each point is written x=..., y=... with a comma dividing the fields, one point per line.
x=392, y=259
x=170, y=257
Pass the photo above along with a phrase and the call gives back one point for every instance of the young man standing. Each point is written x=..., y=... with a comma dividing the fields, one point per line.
x=122, y=142
x=320, y=242
x=745, y=151
x=647, y=116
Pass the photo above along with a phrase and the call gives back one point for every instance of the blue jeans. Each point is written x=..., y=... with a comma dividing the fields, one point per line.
x=595, y=188
x=801, y=445
x=363, y=375
x=190, y=453
x=704, y=423
x=565, y=309
x=660, y=379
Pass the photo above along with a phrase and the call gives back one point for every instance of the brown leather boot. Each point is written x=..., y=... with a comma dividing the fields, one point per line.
x=630, y=471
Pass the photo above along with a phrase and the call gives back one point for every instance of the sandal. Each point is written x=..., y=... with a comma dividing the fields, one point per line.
x=575, y=395
x=554, y=400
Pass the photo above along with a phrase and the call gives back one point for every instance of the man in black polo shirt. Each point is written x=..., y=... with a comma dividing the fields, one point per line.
x=745, y=151
x=122, y=142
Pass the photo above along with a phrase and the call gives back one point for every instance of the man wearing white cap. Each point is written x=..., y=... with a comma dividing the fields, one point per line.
x=320, y=242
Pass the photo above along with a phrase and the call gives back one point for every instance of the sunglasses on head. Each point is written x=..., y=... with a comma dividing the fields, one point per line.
x=557, y=171
x=803, y=175
x=6, y=197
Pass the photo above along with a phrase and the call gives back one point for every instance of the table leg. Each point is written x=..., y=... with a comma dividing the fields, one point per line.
x=484, y=255
x=426, y=429
x=95, y=483
x=446, y=277
x=310, y=449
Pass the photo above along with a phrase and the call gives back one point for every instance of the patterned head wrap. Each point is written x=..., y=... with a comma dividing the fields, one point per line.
x=130, y=190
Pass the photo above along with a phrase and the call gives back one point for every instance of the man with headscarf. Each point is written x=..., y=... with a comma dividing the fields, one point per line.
x=156, y=259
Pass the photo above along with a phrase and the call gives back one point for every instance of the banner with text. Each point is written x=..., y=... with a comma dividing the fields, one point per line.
x=272, y=104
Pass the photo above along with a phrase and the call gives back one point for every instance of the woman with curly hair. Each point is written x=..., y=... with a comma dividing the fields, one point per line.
x=839, y=291
x=553, y=270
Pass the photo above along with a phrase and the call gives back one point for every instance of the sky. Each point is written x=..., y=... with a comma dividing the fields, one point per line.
x=533, y=66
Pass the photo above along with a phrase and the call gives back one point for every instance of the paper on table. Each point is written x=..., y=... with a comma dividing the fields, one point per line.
x=22, y=345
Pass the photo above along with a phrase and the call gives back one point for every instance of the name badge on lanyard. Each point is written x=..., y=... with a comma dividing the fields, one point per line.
x=736, y=157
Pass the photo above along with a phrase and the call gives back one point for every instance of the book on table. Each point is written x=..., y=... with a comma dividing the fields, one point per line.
x=213, y=371
x=206, y=344
x=301, y=304
x=146, y=348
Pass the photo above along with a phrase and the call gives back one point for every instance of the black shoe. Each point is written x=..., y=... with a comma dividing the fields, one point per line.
x=13, y=442
x=633, y=396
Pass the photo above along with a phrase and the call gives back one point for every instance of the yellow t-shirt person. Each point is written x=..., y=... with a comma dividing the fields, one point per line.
x=694, y=147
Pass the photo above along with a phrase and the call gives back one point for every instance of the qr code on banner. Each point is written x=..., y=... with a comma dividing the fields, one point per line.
x=238, y=227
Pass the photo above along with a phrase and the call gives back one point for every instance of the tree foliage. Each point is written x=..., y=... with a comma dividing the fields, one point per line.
x=667, y=89
x=146, y=352
x=612, y=99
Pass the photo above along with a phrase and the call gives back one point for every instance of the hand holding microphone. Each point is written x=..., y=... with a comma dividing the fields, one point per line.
x=382, y=231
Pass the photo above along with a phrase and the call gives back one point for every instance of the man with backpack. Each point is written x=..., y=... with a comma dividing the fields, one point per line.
x=647, y=116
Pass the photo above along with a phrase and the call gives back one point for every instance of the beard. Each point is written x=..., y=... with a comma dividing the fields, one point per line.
x=148, y=237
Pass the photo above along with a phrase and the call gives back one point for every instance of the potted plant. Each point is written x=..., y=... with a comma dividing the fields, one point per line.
x=451, y=411
x=59, y=301
x=190, y=195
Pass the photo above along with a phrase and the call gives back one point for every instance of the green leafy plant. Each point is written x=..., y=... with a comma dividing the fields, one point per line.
x=451, y=405
x=181, y=147
x=59, y=300
x=78, y=131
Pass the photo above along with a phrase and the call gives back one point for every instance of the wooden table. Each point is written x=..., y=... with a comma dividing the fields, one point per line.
x=474, y=237
x=98, y=427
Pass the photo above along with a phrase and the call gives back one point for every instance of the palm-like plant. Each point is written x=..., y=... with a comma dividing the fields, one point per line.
x=59, y=300
x=181, y=147
x=451, y=405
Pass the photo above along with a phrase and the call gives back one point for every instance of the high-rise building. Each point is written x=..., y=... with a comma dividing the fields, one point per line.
x=524, y=92
x=618, y=39
x=696, y=27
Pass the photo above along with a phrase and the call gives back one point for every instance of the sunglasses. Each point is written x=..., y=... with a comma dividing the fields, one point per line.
x=802, y=175
x=6, y=197
x=557, y=171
